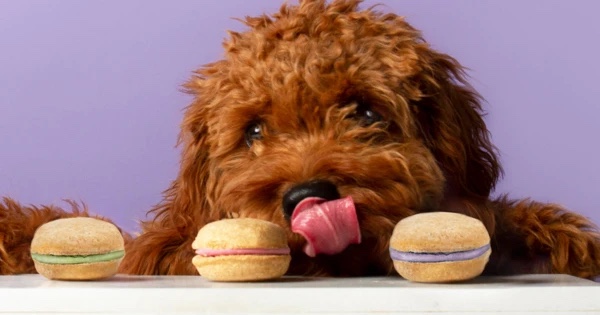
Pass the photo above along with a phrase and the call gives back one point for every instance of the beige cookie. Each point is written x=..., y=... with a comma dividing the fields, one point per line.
x=77, y=249
x=241, y=250
x=440, y=247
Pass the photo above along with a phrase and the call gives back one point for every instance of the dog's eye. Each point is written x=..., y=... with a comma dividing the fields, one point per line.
x=366, y=115
x=253, y=132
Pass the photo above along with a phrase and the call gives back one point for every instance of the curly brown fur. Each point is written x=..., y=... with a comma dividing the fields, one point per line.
x=308, y=80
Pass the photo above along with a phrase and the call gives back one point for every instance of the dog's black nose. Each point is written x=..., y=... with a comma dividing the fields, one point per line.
x=316, y=188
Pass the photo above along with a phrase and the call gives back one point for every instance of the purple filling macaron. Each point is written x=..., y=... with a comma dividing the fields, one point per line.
x=439, y=247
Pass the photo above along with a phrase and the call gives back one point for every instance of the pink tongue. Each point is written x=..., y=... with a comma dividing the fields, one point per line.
x=328, y=227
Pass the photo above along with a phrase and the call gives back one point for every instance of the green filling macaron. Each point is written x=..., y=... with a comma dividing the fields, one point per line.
x=77, y=259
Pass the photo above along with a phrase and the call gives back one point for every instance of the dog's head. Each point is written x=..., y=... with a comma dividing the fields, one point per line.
x=323, y=101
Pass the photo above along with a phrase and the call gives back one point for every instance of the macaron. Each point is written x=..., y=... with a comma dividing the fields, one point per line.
x=78, y=248
x=440, y=247
x=241, y=249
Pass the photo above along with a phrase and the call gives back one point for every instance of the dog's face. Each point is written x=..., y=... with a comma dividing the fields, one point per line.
x=326, y=101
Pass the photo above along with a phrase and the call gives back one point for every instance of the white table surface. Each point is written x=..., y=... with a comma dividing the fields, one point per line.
x=546, y=294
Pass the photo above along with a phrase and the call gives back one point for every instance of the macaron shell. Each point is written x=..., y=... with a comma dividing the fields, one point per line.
x=242, y=267
x=77, y=236
x=439, y=232
x=442, y=271
x=240, y=233
x=93, y=271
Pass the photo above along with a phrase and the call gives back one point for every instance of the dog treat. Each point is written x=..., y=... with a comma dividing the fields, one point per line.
x=77, y=249
x=241, y=250
x=328, y=226
x=440, y=247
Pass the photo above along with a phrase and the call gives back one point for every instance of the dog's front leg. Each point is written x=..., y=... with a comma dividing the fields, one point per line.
x=532, y=237
x=159, y=250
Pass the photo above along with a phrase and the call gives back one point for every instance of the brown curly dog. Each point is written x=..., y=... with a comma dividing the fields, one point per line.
x=317, y=103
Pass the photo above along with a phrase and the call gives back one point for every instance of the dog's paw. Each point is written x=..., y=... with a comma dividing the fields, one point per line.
x=534, y=237
x=14, y=249
x=571, y=241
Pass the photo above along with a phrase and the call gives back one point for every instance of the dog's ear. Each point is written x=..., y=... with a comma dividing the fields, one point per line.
x=187, y=197
x=450, y=118
x=190, y=192
x=164, y=247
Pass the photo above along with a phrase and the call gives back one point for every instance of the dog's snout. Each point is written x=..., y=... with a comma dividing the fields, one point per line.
x=316, y=188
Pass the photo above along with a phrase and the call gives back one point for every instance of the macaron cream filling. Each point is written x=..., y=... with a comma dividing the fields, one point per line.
x=77, y=259
x=206, y=252
x=424, y=257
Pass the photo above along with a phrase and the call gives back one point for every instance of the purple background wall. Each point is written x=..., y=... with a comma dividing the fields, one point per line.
x=90, y=102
